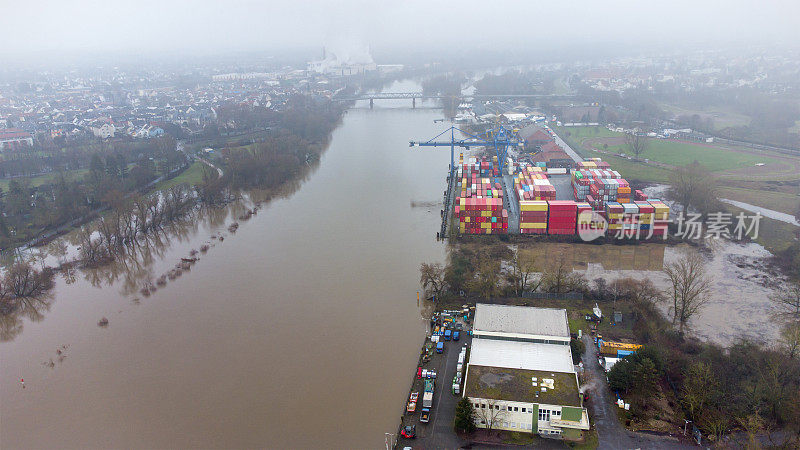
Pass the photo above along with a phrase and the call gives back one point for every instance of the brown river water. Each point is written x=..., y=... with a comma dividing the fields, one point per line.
x=300, y=330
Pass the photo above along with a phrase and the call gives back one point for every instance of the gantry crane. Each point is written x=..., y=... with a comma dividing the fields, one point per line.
x=498, y=137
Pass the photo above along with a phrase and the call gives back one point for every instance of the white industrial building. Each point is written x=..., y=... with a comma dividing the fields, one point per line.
x=520, y=375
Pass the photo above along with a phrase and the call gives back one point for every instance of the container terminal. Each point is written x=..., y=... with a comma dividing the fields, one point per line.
x=552, y=191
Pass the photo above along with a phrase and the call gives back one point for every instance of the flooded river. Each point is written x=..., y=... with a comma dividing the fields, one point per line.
x=300, y=330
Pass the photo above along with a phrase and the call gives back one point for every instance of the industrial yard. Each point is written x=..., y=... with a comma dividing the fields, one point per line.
x=520, y=197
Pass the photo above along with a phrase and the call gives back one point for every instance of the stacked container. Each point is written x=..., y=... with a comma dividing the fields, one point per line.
x=482, y=216
x=563, y=217
x=532, y=183
x=623, y=191
x=660, y=217
x=630, y=220
x=614, y=213
x=479, y=206
x=533, y=216
x=645, y=218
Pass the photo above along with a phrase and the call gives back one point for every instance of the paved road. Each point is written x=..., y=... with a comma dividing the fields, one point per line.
x=611, y=434
x=776, y=215
x=438, y=433
x=572, y=154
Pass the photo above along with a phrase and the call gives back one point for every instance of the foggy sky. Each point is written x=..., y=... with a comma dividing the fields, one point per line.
x=204, y=26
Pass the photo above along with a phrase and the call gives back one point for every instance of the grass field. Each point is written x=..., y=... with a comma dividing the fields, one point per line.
x=44, y=179
x=778, y=201
x=630, y=170
x=191, y=176
x=774, y=235
x=677, y=153
x=721, y=117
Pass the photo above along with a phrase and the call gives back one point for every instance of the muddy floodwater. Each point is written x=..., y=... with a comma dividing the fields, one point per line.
x=300, y=330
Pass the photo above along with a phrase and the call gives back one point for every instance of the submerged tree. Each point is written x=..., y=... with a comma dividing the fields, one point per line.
x=431, y=277
x=690, y=287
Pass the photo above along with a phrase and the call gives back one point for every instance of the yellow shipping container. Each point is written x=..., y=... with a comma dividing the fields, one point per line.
x=485, y=225
x=466, y=219
x=486, y=214
x=541, y=225
x=533, y=205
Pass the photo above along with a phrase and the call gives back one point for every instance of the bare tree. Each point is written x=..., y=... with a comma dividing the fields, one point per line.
x=636, y=142
x=699, y=386
x=690, y=287
x=786, y=303
x=431, y=276
x=790, y=339
x=520, y=272
x=560, y=278
x=486, y=277
x=693, y=186
x=490, y=413
x=23, y=280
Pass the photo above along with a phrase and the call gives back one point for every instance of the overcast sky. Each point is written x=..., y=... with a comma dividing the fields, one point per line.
x=209, y=26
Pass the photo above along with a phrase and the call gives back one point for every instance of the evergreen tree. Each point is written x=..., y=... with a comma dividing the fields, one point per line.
x=465, y=416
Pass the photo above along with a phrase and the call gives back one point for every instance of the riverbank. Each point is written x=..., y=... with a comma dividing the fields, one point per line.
x=244, y=311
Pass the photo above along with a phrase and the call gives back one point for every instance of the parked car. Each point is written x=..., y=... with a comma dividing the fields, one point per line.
x=425, y=415
x=412, y=402
x=409, y=432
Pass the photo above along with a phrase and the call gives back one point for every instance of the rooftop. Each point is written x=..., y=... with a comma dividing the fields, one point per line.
x=521, y=320
x=521, y=355
x=516, y=385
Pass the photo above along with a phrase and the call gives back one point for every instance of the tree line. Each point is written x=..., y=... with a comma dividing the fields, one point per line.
x=27, y=211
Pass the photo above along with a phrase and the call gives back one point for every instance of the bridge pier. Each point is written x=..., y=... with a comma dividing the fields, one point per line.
x=371, y=103
x=413, y=102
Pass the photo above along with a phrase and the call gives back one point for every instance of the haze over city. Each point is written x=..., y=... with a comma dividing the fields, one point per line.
x=399, y=224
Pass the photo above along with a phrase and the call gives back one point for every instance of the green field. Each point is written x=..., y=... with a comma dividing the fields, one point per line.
x=630, y=170
x=44, y=179
x=721, y=117
x=778, y=201
x=666, y=151
x=579, y=133
x=774, y=235
x=191, y=176
x=677, y=153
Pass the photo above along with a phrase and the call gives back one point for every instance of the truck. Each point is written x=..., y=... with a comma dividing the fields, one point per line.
x=447, y=334
x=440, y=347
x=427, y=400
x=425, y=415
x=456, y=335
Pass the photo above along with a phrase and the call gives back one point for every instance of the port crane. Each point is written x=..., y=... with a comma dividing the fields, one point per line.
x=499, y=138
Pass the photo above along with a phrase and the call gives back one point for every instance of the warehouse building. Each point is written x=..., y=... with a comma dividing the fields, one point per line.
x=520, y=375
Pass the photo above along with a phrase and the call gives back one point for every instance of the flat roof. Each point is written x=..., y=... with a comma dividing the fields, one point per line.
x=521, y=355
x=521, y=320
x=515, y=385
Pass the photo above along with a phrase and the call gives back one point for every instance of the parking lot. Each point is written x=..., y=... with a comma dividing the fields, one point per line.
x=438, y=432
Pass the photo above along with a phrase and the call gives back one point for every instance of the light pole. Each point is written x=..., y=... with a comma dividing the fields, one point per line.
x=389, y=440
x=685, y=424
